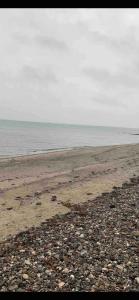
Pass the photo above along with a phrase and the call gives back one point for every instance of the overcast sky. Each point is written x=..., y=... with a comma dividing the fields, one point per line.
x=77, y=66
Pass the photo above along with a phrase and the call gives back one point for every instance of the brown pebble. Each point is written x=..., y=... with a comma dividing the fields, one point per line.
x=61, y=284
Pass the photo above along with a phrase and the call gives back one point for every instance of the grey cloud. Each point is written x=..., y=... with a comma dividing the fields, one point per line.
x=126, y=43
x=42, y=41
x=113, y=79
x=87, y=60
x=106, y=100
x=38, y=74
x=99, y=75
x=50, y=42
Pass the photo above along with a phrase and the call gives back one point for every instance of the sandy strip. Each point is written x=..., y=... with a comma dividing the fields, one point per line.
x=27, y=183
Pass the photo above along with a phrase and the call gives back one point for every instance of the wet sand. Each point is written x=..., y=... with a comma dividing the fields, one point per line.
x=27, y=183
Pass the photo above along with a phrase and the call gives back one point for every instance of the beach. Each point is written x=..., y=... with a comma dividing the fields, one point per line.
x=69, y=150
x=28, y=183
x=69, y=220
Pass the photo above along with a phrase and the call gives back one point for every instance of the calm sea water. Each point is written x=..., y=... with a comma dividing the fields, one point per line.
x=21, y=138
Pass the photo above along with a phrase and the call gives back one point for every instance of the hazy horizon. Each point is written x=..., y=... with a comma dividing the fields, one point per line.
x=72, y=124
x=70, y=66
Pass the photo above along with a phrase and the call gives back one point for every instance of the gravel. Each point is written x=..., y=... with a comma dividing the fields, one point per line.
x=92, y=248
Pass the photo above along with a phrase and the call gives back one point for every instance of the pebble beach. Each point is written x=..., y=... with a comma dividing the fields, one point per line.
x=92, y=248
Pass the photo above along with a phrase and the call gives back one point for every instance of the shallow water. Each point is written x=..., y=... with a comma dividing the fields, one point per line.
x=21, y=138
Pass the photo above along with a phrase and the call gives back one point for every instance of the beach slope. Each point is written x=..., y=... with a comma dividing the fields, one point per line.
x=37, y=187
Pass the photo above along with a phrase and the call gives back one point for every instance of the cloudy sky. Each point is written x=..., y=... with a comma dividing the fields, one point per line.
x=77, y=66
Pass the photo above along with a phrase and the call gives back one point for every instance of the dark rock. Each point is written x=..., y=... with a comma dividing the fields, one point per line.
x=54, y=198
x=112, y=206
x=38, y=193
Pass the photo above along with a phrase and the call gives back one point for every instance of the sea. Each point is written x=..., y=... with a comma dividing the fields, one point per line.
x=24, y=138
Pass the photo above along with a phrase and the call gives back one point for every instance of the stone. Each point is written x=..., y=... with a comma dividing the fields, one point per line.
x=109, y=265
x=72, y=276
x=27, y=262
x=104, y=270
x=136, y=233
x=3, y=289
x=77, y=233
x=98, y=243
x=129, y=263
x=83, y=253
x=25, y=276
x=48, y=272
x=120, y=267
x=82, y=236
x=72, y=226
x=20, y=290
x=13, y=287
x=137, y=279
x=91, y=276
x=61, y=284
x=53, y=198
x=112, y=206
x=11, y=277
x=66, y=270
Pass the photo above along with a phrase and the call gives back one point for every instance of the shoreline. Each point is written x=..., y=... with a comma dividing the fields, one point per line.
x=28, y=183
x=41, y=152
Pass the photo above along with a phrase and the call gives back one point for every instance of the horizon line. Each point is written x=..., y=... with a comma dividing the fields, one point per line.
x=72, y=124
